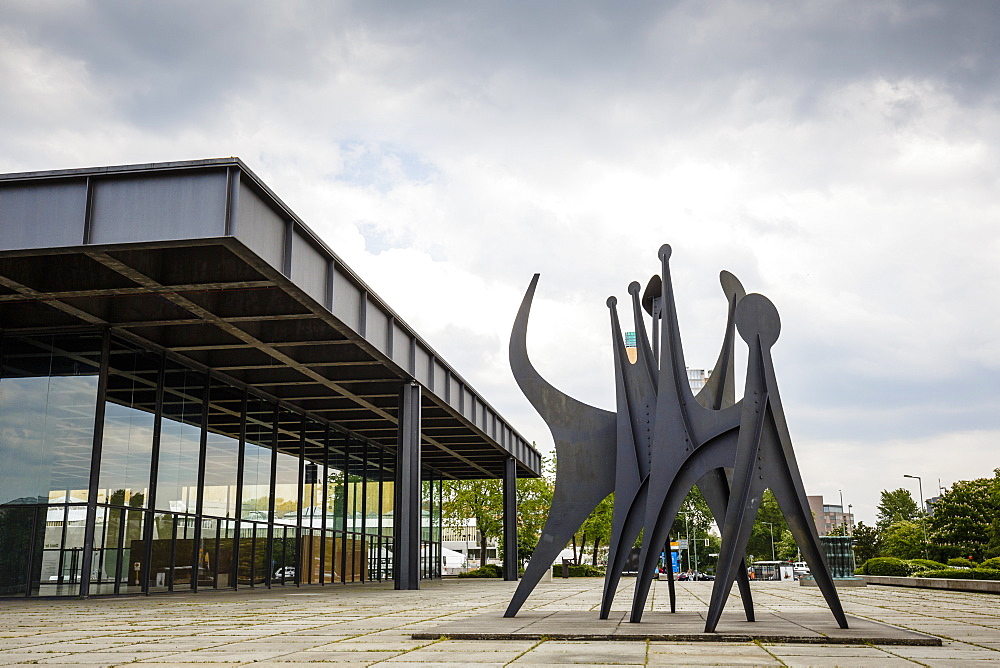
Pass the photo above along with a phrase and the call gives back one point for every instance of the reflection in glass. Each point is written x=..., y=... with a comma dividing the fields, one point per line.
x=296, y=503
x=48, y=397
x=180, y=441
x=257, y=461
x=128, y=428
x=222, y=448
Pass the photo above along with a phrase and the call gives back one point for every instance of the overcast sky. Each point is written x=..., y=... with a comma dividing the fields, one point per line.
x=840, y=158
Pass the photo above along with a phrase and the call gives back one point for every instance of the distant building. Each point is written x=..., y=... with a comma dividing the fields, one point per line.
x=697, y=378
x=630, y=349
x=829, y=516
x=464, y=538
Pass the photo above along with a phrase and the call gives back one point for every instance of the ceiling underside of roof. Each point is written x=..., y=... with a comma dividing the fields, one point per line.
x=217, y=304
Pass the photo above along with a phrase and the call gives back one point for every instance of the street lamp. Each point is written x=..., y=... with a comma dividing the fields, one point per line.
x=771, y=528
x=923, y=514
x=687, y=532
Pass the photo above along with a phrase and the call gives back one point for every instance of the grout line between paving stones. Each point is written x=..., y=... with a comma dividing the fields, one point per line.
x=770, y=653
x=898, y=656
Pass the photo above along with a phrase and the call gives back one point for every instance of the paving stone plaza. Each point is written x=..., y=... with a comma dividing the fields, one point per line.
x=374, y=625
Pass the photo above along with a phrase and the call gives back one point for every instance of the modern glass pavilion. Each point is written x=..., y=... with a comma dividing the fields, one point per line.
x=196, y=393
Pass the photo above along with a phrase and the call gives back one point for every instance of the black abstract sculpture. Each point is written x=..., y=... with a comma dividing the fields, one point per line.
x=662, y=440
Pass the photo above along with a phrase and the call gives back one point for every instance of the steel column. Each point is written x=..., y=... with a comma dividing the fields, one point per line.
x=510, y=519
x=87, y=558
x=406, y=508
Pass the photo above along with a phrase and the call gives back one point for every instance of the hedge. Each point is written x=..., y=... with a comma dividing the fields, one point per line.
x=925, y=564
x=884, y=566
x=487, y=571
x=962, y=574
x=581, y=571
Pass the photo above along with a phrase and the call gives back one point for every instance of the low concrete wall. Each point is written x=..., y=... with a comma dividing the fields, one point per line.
x=981, y=586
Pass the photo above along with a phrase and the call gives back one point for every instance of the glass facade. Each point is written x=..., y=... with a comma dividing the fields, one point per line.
x=125, y=471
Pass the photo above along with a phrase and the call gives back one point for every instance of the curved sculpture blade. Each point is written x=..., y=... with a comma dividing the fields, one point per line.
x=584, y=437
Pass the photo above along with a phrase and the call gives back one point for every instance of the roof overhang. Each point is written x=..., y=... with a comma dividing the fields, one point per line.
x=202, y=260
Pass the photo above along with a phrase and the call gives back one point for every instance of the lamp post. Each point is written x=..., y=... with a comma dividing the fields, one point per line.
x=850, y=520
x=771, y=528
x=923, y=514
x=465, y=535
x=695, y=546
x=687, y=533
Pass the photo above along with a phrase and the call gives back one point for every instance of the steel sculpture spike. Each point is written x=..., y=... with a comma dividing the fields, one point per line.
x=584, y=437
x=681, y=426
x=714, y=486
x=635, y=389
x=764, y=459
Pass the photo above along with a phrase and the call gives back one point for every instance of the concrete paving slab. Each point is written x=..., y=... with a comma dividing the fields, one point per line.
x=712, y=660
x=808, y=627
x=337, y=624
x=337, y=657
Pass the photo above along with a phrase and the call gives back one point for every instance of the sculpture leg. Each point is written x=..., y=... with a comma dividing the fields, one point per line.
x=621, y=545
x=670, y=584
x=714, y=486
x=743, y=582
x=799, y=519
x=652, y=542
x=743, y=506
x=562, y=523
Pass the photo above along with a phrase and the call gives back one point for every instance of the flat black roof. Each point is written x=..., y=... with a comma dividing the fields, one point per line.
x=201, y=259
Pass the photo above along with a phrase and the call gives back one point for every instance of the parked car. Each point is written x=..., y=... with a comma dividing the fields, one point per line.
x=286, y=573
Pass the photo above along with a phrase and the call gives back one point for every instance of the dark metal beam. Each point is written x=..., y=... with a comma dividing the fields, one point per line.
x=406, y=509
x=510, y=560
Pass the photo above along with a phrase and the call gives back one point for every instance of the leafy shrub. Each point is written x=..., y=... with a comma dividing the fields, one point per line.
x=581, y=571
x=885, y=566
x=917, y=565
x=487, y=571
x=993, y=563
x=963, y=574
x=962, y=562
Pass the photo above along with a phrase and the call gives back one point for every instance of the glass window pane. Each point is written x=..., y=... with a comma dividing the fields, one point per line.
x=286, y=480
x=48, y=396
x=222, y=451
x=128, y=427
x=180, y=441
x=257, y=462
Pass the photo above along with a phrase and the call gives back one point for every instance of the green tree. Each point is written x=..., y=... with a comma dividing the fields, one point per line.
x=770, y=522
x=966, y=517
x=694, y=525
x=534, y=498
x=478, y=500
x=787, y=548
x=867, y=543
x=895, y=506
x=597, y=528
x=482, y=502
x=903, y=539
